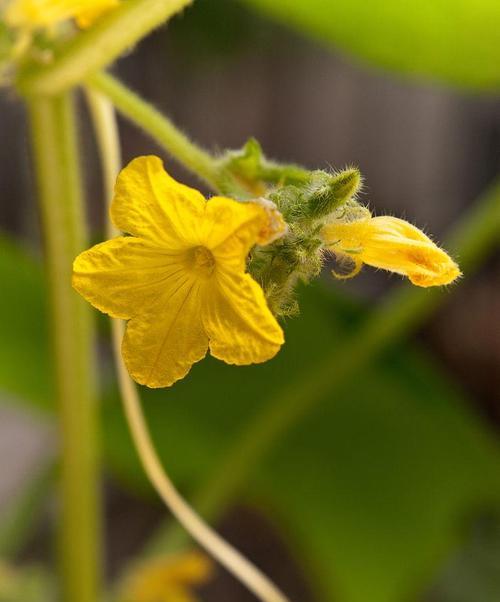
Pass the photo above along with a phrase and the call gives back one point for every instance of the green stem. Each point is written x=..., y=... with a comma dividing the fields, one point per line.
x=401, y=313
x=98, y=46
x=108, y=144
x=56, y=162
x=158, y=126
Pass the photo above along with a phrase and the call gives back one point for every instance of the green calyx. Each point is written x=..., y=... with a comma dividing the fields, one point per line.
x=317, y=197
x=307, y=200
x=248, y=172
x=280, y=266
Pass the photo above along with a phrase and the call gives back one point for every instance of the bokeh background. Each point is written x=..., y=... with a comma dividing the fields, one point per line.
x=388, y=489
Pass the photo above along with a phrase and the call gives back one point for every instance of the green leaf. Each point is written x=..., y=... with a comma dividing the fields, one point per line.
x=370, y=489
x=25, y=368
x=374, y=486
x=453, y=41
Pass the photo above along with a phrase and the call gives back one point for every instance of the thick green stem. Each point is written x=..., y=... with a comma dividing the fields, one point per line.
x=56, y=162
x=158, y=126
x=402, y=312
x=98, y=46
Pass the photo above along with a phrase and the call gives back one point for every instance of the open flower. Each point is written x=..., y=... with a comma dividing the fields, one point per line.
x=38, y=14
x=180, y=278
x=391, y=244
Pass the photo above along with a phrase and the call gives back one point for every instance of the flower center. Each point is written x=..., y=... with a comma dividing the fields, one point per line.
x=201, y=261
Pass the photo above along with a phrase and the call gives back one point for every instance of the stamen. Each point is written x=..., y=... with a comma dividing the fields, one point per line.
x=201, y=261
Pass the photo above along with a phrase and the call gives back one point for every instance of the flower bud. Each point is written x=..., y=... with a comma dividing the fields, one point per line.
x=328, y=192
x=391, y=244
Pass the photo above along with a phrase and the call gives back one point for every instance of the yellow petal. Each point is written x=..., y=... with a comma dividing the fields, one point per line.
x=403, y=248
x=240, y=326
x=33, y=14
x=275, y=228
x=122, y=275
x=231, y=229
x=93, y=10
x=148, y=203
x=167, y=337
x=393, y=244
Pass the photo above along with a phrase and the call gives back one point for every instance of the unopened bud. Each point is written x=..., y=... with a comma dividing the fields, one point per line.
x=331, y=194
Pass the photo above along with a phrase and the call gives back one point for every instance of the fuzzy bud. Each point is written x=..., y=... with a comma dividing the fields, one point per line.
x=327, y=194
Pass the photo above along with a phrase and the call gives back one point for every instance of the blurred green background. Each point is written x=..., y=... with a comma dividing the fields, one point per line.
x=384, y=489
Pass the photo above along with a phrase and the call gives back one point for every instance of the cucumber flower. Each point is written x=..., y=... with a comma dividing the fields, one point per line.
x=180, y=277
x=39, y=14
x=391, y=244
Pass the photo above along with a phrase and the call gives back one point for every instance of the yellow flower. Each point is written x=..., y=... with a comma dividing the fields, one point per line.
x=180, y=279
x=169, y=579
x=391, y=244
x=37, y=14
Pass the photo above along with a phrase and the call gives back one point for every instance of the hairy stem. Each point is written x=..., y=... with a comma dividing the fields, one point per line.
x=158, y=126
x=108, y=143
x=401, y=313
x=230, y=558
x=97, y=46
x=56, y=163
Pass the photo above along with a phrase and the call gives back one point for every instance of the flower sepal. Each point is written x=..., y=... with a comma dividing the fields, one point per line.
x=249, y=173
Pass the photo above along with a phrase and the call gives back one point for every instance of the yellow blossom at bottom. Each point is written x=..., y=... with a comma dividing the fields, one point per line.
x=37, y=14
x=167, y=579
x=391, y=244
x=180, y=278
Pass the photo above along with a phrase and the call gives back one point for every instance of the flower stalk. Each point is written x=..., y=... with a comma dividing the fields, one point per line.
x=56, y=162
x=132, y=106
